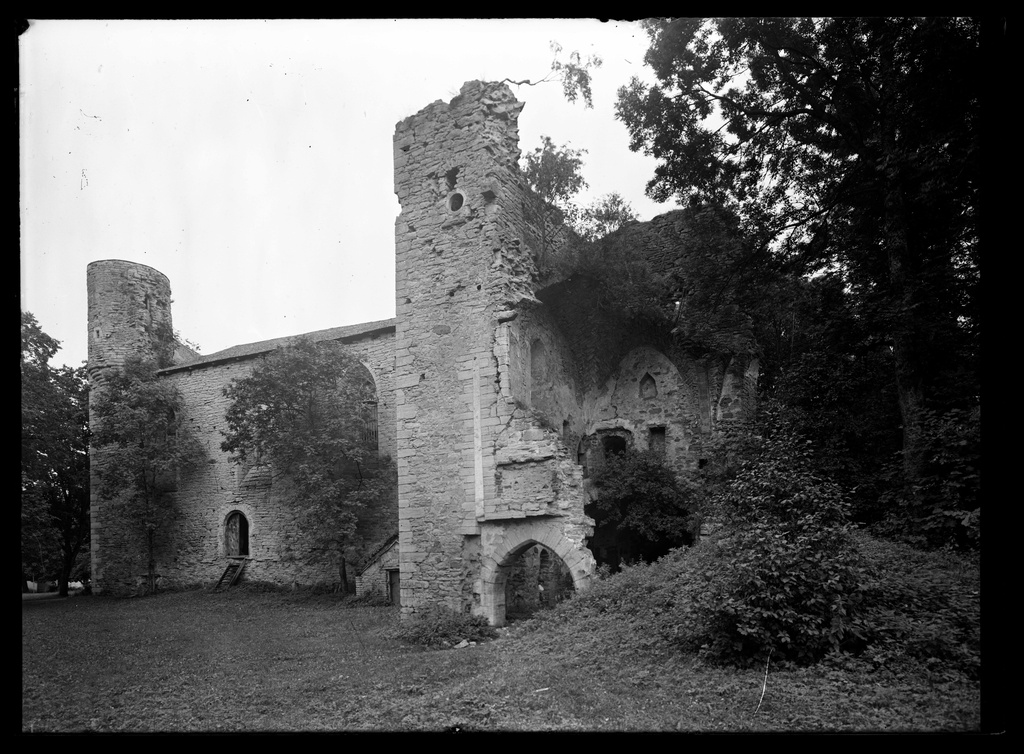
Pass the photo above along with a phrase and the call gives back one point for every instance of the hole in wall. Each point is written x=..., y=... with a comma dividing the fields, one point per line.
x=656, y=441
x=455, y=202
x=451, y=176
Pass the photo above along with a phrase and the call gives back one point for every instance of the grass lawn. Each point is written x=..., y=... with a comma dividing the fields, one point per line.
x=255, y=660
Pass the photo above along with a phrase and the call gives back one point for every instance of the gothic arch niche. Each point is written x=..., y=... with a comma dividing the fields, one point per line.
x=236, y=534
x=648, y=387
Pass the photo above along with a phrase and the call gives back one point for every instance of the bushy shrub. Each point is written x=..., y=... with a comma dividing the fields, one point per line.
x=643, y=509
x=921, y=607
x=644, y=606
x=439, y=627
x=945, y=507
x=786, y=576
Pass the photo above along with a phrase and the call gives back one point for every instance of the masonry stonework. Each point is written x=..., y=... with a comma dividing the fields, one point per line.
x=496, y=386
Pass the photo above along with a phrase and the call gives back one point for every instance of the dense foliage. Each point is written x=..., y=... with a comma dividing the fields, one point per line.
x=603, y=216
x=142, y=444
x=849, y=148
x=306, y=410
x=787, y=578
x=54, y=461
x=553, y=176
x=642, y=509
x=440, y=628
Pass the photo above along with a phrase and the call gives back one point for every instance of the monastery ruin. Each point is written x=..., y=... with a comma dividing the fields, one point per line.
x=498, y=386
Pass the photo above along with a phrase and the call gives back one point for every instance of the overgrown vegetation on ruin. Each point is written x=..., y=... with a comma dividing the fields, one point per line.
x=307, y=409
x=642, y=509
x=849, y=150
x=138, y=429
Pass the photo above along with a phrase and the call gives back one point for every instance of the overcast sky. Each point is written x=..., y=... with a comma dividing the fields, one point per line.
x=251, y=161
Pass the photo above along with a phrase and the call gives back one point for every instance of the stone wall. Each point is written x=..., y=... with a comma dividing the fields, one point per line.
x=375, y=577
x=496, y=385
x=129, y=309
x=195, y=548
x=205, y=498
x=471, y=459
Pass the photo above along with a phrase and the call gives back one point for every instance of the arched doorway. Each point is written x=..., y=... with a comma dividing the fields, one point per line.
x=536, y=580
x=506, y=542
x=236, y=534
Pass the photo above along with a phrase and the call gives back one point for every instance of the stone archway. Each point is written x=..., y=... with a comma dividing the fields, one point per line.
x=503, y=543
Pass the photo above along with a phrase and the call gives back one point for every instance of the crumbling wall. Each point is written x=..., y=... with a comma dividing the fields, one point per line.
x=653, y=400
x=470, y=458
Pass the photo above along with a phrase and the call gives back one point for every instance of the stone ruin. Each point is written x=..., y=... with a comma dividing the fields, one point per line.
x=497, y=387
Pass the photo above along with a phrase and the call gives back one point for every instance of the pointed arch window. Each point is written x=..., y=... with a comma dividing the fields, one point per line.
x=648, y=387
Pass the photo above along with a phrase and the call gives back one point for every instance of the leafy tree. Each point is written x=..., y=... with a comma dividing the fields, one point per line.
x=553, y=175
x=574, y=75
x=848, y=145
x=54, y=459
x=304, y=409
x=642, y=509
x=604, y=215
x=141, y=445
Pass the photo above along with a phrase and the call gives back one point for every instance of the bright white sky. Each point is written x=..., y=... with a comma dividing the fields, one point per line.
x=251, y=161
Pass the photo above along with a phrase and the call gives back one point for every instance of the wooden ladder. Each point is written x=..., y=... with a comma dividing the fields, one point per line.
x=232, y=573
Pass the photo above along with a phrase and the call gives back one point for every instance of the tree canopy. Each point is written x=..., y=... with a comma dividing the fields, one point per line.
x=142, y=444
x=308, y=409
x=54, y=459
x=848, y=147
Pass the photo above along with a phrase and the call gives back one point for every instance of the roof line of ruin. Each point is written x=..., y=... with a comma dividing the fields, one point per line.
x=346, y=334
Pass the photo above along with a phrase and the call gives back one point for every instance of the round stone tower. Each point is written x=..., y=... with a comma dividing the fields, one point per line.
x=129, y=314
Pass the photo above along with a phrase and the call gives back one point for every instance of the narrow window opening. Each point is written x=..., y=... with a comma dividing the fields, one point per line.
x=370, y=436
x=451, y=177
x=656, y=441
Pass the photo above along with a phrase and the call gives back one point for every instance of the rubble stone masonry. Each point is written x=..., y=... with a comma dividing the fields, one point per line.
x=497, y=389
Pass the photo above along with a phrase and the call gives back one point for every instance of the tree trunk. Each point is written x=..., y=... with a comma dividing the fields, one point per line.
x=343, y=575
x=906, y=336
